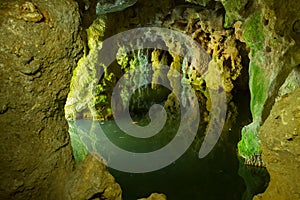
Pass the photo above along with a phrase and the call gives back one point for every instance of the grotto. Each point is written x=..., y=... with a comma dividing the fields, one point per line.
x=150, y=100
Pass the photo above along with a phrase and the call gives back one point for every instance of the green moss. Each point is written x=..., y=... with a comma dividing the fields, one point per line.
x=258, y=87
x=79, y=149
x=103, y=93
x=122, y=58
x=84, y=77
x=80, y=99
x=258, y=84
x=95, y=32
x=253, y=33
x=250, y=142
x=232, y=8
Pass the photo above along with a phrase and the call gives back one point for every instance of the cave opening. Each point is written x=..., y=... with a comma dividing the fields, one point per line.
x=219, y=175
x=182, y=72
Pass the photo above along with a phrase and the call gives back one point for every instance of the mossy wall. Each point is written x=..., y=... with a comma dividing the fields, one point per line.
x=258, y=83
x=234, y=10
x=267, y=29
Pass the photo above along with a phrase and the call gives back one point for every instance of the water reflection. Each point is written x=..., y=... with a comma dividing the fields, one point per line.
x=216, y=176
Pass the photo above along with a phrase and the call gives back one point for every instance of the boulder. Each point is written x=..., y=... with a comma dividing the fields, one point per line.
x=280, y=136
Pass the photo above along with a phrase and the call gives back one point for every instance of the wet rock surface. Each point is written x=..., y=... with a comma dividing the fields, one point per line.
x=203, y=25
x=206, y=27
x=280, y=135
x=91, y=180
x=274, y=54
x=38, y=53
x=40, y=46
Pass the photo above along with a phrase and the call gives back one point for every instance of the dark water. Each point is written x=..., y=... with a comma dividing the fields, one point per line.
x=216, y=176
x=213, y=177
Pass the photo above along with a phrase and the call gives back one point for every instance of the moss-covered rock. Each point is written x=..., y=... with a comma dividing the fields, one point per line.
x=233, y=9
x=272, y=58
x=81, y=102
x=36, y=155
x=155, y=196
x=254, y=37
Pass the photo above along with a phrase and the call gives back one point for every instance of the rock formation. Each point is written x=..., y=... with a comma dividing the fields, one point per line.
x=40, y=46
x=42, y=43
x=274, y=53
x=281, y=148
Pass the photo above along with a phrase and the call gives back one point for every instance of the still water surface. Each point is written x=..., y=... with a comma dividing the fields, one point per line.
x=215, y=177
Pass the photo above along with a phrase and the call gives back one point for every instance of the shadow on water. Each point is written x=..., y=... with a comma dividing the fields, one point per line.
x=213, y=177
x=218, y=176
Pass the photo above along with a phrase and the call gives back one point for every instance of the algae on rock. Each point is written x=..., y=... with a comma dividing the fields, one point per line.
x=81, y=101
x=233, y=9
x=80, y=97
x=272, y=58
x=205, y=26
x=254, y=38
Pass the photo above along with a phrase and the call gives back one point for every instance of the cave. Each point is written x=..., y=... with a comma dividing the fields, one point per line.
x=146, y=99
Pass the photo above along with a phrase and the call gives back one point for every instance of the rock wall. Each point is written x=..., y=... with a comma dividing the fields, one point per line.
x=40, y=46
x=271, y=31
x=203, y=25
x=274, y=53
x=281, y=148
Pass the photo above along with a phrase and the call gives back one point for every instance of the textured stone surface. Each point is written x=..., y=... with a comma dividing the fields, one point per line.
x=291, y=83
x=40, y=45
x=274, y=53
x=234, y=10
x=37, y=57
x=206, y=27
x=104, y=7
x=91, y=180
x=280, y=136
x=199, y=2
x=80, y=101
